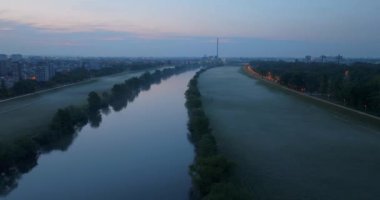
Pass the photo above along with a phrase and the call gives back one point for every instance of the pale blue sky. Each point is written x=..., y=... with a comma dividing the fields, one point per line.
x=189, y=27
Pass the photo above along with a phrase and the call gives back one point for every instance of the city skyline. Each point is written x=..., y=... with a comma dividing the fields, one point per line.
x=179, y=28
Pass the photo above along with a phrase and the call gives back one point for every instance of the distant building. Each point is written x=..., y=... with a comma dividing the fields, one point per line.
x=308, y=58
x=323, y=58
x=3, y=64
x=3, y=57
x=3, y=68
x=42, y=73
x=16, y=57
x=339, y=58
x=16, y=70
x=51, y=71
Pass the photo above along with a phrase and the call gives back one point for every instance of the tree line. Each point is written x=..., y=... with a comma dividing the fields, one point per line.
x=75, y=75
x=20, y=156
x=210, y=171
x=356, y=86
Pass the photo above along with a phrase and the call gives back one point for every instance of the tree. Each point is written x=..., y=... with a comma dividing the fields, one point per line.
x=62, y=122
x=3, y=89
x=207, y=171
x=227, y=191
x=24, y=87
x=356, y=85
x=94, y=101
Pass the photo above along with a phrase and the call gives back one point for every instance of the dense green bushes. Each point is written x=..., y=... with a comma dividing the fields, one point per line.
x=227, y=191
x=22, y=150
x=210, y=171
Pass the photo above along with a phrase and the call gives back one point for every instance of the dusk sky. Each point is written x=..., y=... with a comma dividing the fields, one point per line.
x=249, y=28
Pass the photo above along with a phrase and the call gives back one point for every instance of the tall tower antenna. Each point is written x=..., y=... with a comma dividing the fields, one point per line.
x=217, y=47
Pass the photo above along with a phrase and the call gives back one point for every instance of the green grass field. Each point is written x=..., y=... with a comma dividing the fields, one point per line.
x=33, y=113
x=288, y=147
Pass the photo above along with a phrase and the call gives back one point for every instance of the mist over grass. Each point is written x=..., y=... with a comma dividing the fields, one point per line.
x=23, y=116
x=286, y=146
x=211, y=170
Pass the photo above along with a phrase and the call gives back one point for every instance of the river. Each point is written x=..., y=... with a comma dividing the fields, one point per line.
x=18, y=116
x=141, y=152
x=288, y=147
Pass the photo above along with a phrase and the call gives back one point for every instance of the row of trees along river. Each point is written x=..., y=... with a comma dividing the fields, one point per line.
x=76, y=75
x=21, y=156
x=356, y=85
x=210, y=171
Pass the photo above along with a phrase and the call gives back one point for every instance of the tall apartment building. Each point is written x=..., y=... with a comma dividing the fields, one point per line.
x=3, y=64
x=44, y=73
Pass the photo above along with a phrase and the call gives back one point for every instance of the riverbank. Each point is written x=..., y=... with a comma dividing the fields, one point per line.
x=22, y=155
x=73, y=84
x=286, y=147
x=211, y=171
x=250, y=72
x=143, y=147
x=30, y=113
x=46, y=90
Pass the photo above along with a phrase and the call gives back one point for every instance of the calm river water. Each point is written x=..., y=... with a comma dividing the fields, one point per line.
x=141, y=152
x=288, y=147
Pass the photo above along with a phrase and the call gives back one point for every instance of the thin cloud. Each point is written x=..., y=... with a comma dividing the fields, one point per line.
x=3, y=29
x=62, y=43
x=113, y=38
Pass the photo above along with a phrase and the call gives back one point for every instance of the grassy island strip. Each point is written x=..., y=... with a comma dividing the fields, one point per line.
x=20, y=156
x=210, y=171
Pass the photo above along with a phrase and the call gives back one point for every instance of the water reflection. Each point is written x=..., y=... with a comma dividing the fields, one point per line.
x=95, y=118
x=117, y=100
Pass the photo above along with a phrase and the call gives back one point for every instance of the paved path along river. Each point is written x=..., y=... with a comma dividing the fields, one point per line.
x=288, y=147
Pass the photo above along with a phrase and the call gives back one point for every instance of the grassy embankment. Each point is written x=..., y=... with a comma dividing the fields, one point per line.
x=210, y=171
x=286, y=146
x=29, y=114
x=19, y=157
x=251, y=73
